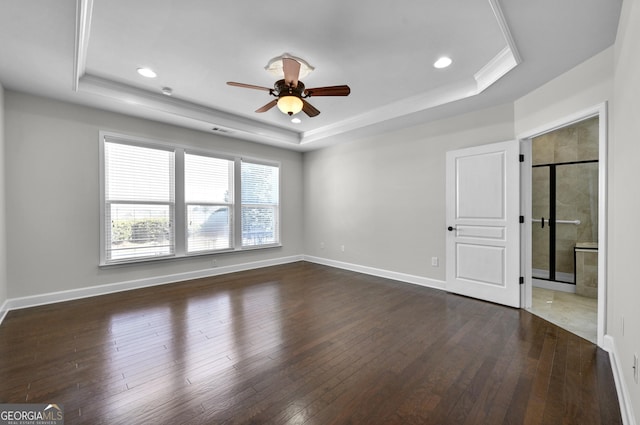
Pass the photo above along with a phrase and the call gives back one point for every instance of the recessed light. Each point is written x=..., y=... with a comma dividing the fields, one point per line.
x=167, y=91
x=296, y=120
x=442, y=62
x=147, y=72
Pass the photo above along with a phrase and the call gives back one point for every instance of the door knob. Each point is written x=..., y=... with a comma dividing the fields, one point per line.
x=451, y=228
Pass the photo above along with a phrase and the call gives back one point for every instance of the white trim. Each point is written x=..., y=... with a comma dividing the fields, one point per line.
x=626, y=409
x=495, y=69
x=110, y=288
x=4, y=309
x=526, y=295
x=84, y=11
x=603, y=167
x=506, y=32
x=594, y=111
x=388, y=274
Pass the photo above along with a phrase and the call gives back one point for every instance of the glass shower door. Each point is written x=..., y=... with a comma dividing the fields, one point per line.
x=565, y=213
x=540, y=226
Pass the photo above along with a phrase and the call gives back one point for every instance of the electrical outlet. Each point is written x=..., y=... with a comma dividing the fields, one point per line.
x=214, y=263
x=321, y=245
x=342, y=248
x=635, y=368
x=434, y=261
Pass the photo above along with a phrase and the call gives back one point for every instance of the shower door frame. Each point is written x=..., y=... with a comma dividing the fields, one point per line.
x=525, y=139
x=552, y=218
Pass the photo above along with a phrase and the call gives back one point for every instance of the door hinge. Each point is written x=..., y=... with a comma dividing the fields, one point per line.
x=521, y=280
x=521, y=158
x=521, y=219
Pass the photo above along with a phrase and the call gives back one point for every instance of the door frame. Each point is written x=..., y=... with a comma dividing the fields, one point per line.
x=600, y=111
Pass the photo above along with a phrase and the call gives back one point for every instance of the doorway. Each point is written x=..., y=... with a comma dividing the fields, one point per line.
x=564, y=270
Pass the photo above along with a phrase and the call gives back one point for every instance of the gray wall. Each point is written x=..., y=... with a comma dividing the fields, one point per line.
x=3, y=241
x=383, y=198
x=52, y=196
x=624, y=202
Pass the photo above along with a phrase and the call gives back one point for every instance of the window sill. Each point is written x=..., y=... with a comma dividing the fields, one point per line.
x=166, y=259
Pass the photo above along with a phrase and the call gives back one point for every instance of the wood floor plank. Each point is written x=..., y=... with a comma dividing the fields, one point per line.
x=301, y=344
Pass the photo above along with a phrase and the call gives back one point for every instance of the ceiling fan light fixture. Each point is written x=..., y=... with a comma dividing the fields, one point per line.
x=290, y=104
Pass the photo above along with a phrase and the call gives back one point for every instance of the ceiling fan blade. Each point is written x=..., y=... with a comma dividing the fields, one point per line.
x=268, y=106
x=328, y=91
x=248, y=86
x=309, y=109
x=291, y=68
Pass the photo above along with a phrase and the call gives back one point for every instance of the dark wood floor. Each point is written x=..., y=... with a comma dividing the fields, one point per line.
x=301, y=344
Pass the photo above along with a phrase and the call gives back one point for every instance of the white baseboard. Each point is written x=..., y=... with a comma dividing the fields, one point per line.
x=626, y=410
x=402, y=277
x=92, y=291
x=4, y=309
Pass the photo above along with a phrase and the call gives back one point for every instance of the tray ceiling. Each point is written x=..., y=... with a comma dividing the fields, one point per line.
x=87, y=51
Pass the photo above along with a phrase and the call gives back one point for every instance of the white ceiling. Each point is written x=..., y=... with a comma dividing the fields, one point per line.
x=87, y=52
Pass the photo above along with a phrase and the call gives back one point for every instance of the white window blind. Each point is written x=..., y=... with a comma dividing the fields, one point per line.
x=160, y=201
x=260, y=204
x=209, y=203
x=139, y=202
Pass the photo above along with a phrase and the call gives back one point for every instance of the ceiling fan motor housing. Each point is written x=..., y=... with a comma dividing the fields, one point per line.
x=284, y=89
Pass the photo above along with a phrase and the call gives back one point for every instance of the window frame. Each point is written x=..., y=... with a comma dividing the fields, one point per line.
x=231, y=205
x=180, y=223
x=241, y=204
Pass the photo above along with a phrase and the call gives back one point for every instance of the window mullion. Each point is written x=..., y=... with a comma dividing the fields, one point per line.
x=237, y=202
x=180, y=211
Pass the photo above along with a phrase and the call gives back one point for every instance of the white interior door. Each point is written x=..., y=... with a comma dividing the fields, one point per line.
x=483, y=241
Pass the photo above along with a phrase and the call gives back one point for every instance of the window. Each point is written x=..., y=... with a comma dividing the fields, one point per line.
x=139, y=202
x=209, y=199
x=260, y=200
x=162, y=201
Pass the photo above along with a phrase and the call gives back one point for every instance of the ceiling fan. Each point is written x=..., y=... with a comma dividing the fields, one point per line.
x=291, y=93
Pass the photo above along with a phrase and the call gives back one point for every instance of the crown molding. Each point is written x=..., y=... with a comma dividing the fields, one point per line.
x=506, y=32
x=495, y=69
x=84, y=11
